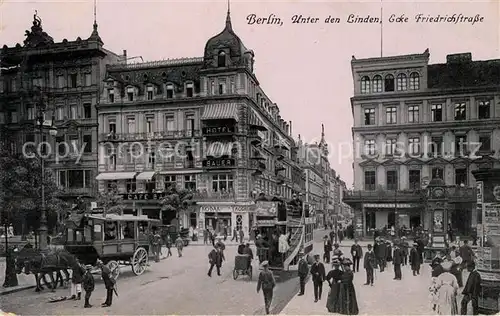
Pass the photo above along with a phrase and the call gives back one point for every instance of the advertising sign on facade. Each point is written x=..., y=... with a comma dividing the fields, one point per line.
x=265, y=208
x=489, y=200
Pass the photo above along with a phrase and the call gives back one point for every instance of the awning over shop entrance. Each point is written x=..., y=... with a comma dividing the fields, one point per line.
x=220, y=111
x=146, y=176
x=116, y=176
x=218, y=149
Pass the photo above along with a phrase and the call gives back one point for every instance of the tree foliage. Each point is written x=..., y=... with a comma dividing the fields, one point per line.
x=21, y=194
x=176, y=200
x=111, y=201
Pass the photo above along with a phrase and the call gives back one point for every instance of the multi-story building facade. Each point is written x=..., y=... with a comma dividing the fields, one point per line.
x=206, y=125
x=415, y=122
x=66, y=78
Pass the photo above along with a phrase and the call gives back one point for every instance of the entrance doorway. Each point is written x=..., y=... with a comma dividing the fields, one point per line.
x=414, y=221
x=391, y=219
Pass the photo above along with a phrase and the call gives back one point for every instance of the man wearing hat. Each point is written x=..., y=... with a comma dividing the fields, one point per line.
x=303, y=271
x=369, y=263
x=267, y=283
x=318, y=277
x=381, y=253
x=415, y=259
x=357, y=254
x=109, y=283
x=327, y=245
x=88, y=285
x=397, y=261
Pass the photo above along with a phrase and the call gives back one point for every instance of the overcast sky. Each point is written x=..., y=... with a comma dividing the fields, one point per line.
x=304, y=68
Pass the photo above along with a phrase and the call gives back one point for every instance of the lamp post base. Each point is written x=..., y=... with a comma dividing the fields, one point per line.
x=42, y=231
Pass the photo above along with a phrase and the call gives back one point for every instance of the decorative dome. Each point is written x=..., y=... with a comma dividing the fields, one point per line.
x=228, y=42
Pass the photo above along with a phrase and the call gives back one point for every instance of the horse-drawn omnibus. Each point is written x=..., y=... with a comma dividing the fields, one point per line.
x=114, y=239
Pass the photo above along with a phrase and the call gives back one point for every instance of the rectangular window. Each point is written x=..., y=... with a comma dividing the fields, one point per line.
x=461, y=147
x=483, y=110
x=222, y=86
x=392, y=179
x=436, y=112
x=390, y=115
x=461, y=176
x=170, y=182
x=73, y=143
x=131, y=185
x=76, y=179
x=111, y=95
x=222, y=183
x=150, y=93
x=112, y=126
x=232, y=85
x=31, y=113
x=60, y=113
x=13, y=117
x=414, y=179
x=170, y=123
x=189, y=125
x=485, y=141
x=369, y=116
x=88, y=79
x=131, y=125
x=170, y=91
x=87, y=110
x=413, y=114
x=436, y=147
x=212, y=87
x=438, y=173
x=130, y=94
x=152, y=159
x=414, y=145
x=370, y=147
x=369, y=180
x=87, y=142
x=189, y=90
x=60, y=143
x=190, y=182
x=73, y=80
x=150, y=124
x=390, y=147
x=61, y=179
x=73, y=112
x=460, y=111
x=60, y=81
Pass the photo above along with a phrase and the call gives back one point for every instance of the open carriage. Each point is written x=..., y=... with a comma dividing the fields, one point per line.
x=114, y=239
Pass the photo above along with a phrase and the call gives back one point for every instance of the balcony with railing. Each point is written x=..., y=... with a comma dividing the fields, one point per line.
x=119, y=137
x=366, y=196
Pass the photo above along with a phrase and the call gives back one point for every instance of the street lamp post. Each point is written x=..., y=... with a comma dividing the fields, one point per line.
x=42, y=230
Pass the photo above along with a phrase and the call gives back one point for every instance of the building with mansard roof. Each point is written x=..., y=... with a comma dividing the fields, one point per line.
x=65, y=78
x=415, y=122
x=203, y=124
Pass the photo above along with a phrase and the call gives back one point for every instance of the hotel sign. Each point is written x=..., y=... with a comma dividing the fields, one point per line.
x=218, y=130
x=390, y=205
x=219, y=163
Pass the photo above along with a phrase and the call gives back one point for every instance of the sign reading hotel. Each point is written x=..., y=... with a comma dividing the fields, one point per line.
x=218, y=130
x=219, y=162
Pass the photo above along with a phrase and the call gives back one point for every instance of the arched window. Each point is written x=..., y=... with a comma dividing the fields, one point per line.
x=365, y=85
x=401, y=82
x=389, y=83
x=414, y=81
x=377, y=83
x=221, y=59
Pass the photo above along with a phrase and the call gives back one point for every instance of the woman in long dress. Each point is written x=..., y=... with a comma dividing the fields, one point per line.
x=333, y=278
x=347, y=293
x=447, y=287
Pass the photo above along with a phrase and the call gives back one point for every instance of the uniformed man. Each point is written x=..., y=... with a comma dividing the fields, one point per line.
x=303, y=271
x=318, y=277
x=267, y=283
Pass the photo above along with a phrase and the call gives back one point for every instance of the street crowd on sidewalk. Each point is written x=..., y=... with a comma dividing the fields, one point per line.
x=449, y=268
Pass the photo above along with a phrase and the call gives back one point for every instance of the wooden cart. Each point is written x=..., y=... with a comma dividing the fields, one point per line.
x=116, y=240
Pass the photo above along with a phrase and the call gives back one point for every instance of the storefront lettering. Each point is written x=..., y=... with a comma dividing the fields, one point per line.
x=218, y=130
x=142, y=196
x=389, y=205
x=266, y=222
x=219, y=162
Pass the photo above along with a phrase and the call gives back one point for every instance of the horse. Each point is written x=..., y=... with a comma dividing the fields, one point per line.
x=43, y=264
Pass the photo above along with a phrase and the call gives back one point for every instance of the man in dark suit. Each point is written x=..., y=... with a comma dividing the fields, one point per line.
x=318, y=276
x=381, y=254
x=357, y=254
x=471, y=291
x=215, y=258
x=397, y=260
x=466, y=253
x=369, y=263
x=327, y=247
x=303, y=272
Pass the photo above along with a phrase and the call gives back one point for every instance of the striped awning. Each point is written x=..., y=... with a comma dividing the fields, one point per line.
x=220, y=111
x=255, y=122
x=219, y=149
x=147, y=175
x=116, y=176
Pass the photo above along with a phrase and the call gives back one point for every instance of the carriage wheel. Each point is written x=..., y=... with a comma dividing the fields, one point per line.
x=139, y=261
x=115, y=268
x=235, y=274
x=249, y=272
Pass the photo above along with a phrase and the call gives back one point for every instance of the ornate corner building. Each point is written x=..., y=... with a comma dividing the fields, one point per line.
x=202, y=124
x=415, y=122
x=64, y=78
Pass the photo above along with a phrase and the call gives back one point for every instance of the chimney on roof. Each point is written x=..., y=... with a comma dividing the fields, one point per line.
x=290, y=133
x=461, y=58
x=125, y=55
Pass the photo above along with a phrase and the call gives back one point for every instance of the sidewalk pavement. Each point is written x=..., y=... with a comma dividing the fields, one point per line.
x=24, y=281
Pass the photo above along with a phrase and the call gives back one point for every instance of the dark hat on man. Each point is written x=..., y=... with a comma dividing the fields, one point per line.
x=326, y=237
x=369, y=246
x=335, y=262
x=316, y=256
x=347, y=262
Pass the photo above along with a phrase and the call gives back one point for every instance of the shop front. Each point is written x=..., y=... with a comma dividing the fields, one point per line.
x=404, y=217
x=230, y=217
